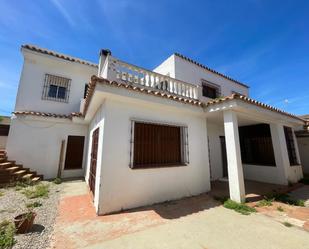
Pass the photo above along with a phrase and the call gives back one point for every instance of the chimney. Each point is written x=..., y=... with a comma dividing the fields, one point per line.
x=104, y=53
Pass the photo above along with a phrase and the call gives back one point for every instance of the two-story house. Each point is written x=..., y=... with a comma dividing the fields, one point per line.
x=141, y=136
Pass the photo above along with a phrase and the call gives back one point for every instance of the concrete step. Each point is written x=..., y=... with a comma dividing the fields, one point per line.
x=40, y=176
x=28, y=176
x=5, y=165
x=35, y=179
x=19, y=174
x=13, y=169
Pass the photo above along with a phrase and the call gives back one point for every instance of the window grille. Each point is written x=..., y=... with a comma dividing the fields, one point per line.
x=56, y=88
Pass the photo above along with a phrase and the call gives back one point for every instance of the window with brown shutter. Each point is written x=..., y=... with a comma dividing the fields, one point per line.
x=157, y=145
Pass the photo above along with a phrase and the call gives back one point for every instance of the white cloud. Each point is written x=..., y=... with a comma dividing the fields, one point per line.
x=64, y=12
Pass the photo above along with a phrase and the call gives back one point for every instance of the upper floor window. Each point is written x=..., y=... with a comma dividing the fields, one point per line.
x=290, y=144
x=210, y=90
x=56, y=88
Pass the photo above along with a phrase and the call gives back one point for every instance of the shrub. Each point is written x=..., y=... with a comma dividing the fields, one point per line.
x=1, y=193
x=57, y=180
x=33, y=204
x=265, y=203
x=220, y=199
x=23, y=184
x=40, y=190
x=7, y=231
x=287, y=224
x=239, y=207
x=285, y=198
x=280, y=209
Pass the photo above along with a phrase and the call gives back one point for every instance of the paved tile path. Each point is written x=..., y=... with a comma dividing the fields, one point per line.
x=197, y=222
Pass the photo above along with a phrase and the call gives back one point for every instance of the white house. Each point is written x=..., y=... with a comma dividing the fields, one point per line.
x=303, y=144
x=4, y=130
x=141, y=136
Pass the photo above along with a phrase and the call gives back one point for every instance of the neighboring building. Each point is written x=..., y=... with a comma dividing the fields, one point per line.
x=4, y=130
x=303, y=144
x=140, y=136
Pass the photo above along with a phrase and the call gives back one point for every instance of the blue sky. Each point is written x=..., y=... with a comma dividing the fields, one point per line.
x=262, y=43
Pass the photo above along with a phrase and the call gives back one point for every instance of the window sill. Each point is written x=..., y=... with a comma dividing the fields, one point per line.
x=295, y=165
x=72, y=169
x=158, y=166
x=258, y=164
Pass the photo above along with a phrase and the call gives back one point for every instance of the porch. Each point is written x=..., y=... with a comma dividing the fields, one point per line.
x=252, y=146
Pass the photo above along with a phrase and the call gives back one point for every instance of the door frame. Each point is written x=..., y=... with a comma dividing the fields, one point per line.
x=93, y=160
x=223, y=156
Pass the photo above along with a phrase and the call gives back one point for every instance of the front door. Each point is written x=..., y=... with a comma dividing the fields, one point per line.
x=74, y=152
x=93, y=160
x=224, y=157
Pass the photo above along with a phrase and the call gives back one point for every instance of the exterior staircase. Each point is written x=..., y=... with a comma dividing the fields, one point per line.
x=10, y=172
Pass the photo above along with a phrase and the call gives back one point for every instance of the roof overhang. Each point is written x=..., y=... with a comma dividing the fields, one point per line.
x=252, y=109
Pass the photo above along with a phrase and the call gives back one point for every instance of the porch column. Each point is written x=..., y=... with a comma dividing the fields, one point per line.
x=281, y=152
x=234, y=164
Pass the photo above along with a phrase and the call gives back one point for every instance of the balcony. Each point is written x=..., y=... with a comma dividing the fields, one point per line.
x=115, y=69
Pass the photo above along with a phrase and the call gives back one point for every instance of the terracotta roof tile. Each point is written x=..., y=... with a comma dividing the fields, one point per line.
x=209, y=69
x=251, y=101
x=47, y=114
x=58, y=55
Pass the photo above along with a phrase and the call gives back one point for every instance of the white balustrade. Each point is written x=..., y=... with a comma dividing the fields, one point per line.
x=136, y=75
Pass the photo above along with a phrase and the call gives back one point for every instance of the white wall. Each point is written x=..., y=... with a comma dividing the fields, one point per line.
x=167, y=67
x=36, y=65
x=36, y=144
x=191, y=73
x=97, y=122
x=3, y=140
x=303, y=146
x=123, y=187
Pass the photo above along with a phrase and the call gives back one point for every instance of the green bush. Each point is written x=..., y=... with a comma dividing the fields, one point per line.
x=265, y=203
x=1, y=193
x=57, y=181
x=34, y=204
x=239, y=207
x=285, y=198
x=37, y=191
x=7, y=231
x=287, y=224
x=280, y=209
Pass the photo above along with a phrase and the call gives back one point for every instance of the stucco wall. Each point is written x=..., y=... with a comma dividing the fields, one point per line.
x=36, y=144
x=303, y=146
x=191, y=73
x=3, y=140
x=29, y=96
x=123, y=187
x=97, y=122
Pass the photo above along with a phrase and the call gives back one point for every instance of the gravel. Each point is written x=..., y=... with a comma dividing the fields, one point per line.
x=13, y=203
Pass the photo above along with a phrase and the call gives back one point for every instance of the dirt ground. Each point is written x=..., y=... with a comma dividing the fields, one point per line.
x=195, y=222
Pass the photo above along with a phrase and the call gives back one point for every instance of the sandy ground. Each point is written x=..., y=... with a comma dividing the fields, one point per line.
x=196, y=222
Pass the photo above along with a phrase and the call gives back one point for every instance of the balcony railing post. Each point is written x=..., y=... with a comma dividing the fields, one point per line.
x=135, y=75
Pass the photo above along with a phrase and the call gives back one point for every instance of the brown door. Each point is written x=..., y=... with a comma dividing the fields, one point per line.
x=93, y=160
x=74, y=153
x=224, y=157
